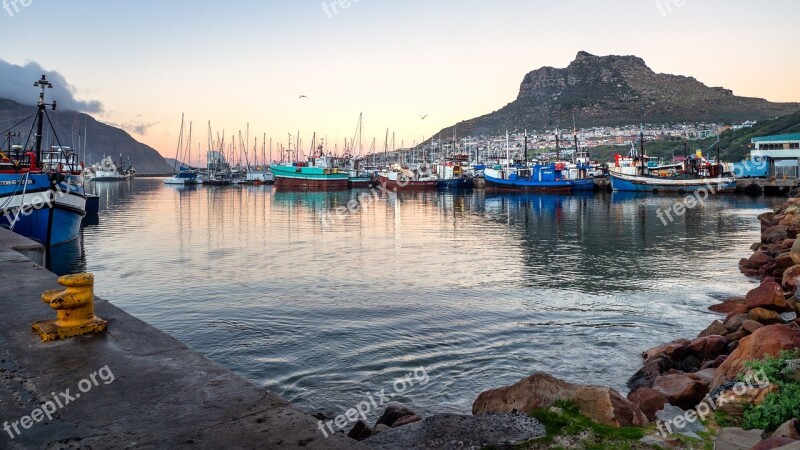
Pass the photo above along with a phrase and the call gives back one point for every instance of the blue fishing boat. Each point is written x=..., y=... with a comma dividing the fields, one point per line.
x=539, y=178
x=680, y=185
x=41, y=194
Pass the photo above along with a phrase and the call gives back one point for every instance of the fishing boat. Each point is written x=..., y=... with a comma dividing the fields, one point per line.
x=545, y=178
x=108, y=170
x=452, y=175
x=319, y=173
x=638, y=173
x=398, y=178
x=41, y=193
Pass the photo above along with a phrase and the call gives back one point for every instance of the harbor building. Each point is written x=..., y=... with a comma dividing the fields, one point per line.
x=783, y=152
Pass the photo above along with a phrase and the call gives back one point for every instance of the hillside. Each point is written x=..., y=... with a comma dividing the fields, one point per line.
x=102, y=139
x=615, y=90
x=734, y=145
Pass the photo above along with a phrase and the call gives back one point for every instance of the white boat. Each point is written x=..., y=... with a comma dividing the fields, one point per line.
x=107, y=170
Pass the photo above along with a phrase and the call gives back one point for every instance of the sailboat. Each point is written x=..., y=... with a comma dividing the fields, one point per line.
x=184, y=175
x=41, y=193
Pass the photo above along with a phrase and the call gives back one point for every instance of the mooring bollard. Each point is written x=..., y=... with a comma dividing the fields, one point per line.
x=74, y=310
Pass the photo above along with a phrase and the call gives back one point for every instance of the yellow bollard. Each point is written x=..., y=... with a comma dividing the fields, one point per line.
x=74, y=310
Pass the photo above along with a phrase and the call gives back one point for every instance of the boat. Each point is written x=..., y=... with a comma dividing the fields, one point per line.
x=41, y=193
x=638, y=173
x=452, y=174
x=184, y=175
x=545, y=178
x=318, y=173
x=260, y=177
x=398, y=178
x=108, y=170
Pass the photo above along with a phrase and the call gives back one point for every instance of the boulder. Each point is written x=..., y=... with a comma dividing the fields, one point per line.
x=730, y=306
x=651, y=369
x=673, y=350
x=680, y=390
x=751, y=325
x=716, y=328
x=790, y=429
x=759, y=259
x=360, y=431
x=648, y=400
x=708, y=347
x=795, y=251
x=774, y=234
x=393, y=413
x=773, y=442
x=791, y=372
x=406, y=420
x=380, y=429
x=735, y=337
x=784, y=261
x=764, y=316
x=769, y=340
x=737, y=438
x=733, y=323
x=768, y=295
x=601, y=404
x=790, y=277
x=671, y=420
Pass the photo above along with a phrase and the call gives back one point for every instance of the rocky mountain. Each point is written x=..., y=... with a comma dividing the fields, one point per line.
x=102, y=139
x=616, y=90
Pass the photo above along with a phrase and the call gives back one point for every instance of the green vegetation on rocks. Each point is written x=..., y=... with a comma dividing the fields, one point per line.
x=780, y=406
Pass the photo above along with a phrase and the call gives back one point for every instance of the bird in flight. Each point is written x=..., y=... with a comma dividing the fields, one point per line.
x=302, y=97
x=423, y=117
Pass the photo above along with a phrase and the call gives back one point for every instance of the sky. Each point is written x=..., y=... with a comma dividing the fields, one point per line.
x=142, y=64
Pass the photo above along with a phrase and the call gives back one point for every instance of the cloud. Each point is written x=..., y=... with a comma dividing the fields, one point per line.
x=17, y=85
x=134, y=126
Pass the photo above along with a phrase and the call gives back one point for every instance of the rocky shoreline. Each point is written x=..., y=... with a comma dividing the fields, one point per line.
x=705, y=377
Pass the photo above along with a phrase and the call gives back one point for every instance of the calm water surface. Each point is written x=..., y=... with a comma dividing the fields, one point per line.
x=479, y=289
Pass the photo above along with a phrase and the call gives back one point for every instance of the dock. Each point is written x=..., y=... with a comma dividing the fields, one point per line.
x=766, y=186
x=132, y=386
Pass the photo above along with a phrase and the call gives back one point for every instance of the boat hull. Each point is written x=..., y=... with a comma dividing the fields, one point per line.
x=409, y=185
x=583, y=185
x=551, y=187
x=359, y=183
x=631, y=183
x=456, y=183
x=48, y=216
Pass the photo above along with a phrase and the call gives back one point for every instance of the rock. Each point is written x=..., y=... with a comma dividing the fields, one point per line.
x=783, y=262
x=735, y=403
x=716, y=328
x=734, y=323
x=648, y=400
x=737, y=439
x=720, y=359
x=730, y=348
x=658, y=441
x=755, y=246
x=751, y=325
x=393, y=413
x=790, y=277
x=360, y=431
x=735, y=337
x=708, y=347
x=681, y=390
x=769, y=340
x=792, y=371
x=787, y=244
x=728, y=307
x=758, y=259
x=406, y=420
x=705, y=376
x=765, y=316
x=651, y=369
x=601, y=404
x=453, y=431
x=774, y=234
x=768, y=218
x=380, y=429
x=771, y=443
x=795, y=252
x=672, y=421
x=767, y=295
x=790, y=429
x=673, y=350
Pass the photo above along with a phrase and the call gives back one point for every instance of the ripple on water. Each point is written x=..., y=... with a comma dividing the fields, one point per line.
x=480, y=290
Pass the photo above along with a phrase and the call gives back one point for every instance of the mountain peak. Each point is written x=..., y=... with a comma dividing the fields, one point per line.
x=617, y=90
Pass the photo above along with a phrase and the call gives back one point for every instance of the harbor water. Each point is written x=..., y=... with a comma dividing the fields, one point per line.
x=324, y=305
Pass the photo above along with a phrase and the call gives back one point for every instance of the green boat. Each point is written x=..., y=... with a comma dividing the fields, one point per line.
x=318, y=174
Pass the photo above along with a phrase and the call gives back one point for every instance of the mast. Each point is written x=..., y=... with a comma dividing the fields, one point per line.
x=558, y=149
x=507, y=152
x=641, y=147
x=525, y=148
x=41, y=106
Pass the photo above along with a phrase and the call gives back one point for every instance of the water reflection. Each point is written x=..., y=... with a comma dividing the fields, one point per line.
x=482, y=289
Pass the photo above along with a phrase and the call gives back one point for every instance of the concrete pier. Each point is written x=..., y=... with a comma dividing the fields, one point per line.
x=131, y=387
